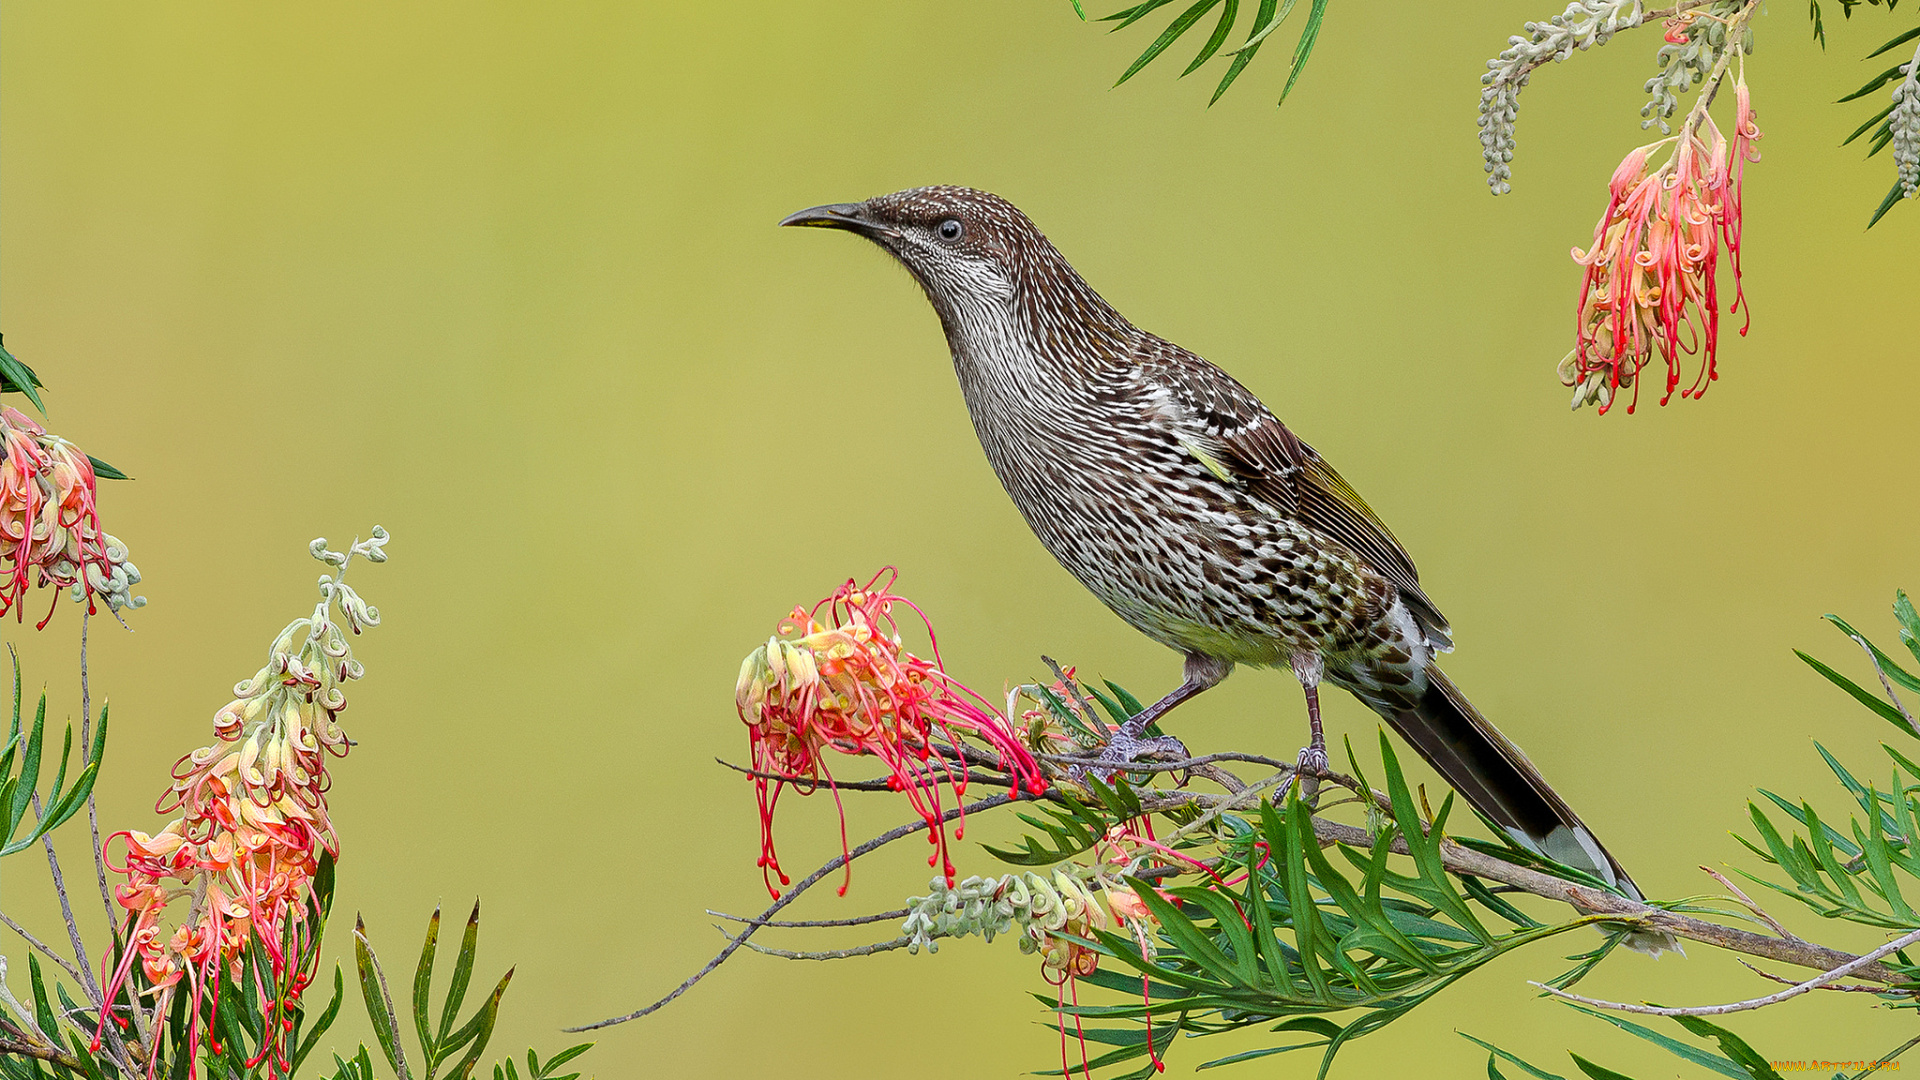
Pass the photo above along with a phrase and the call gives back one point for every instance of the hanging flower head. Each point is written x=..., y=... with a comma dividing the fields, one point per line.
x=837, y=678
x=49, y=526
x=1650, y=290
x=252, y=828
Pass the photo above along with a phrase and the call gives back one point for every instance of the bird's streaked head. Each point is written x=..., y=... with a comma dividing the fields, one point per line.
x=963, y=245
x=990, y=274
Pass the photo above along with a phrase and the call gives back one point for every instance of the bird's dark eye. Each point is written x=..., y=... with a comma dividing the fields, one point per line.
x=951, y=229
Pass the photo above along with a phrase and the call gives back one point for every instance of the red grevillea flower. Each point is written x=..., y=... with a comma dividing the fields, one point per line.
x=242, y=855
x=49, y=527
x=1649, y=289
x=836, y=678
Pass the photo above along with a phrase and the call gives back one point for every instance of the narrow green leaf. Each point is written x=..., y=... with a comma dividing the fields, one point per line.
x=29, y=777
x=105, y=471
x=1897, y=41
x=1888, y=665
x=1879, y=858
x=1894, y=195
x=1733, y=1046
x=1597, y=1072
x=1179, y=26
x=1870, y=700
x=1909, y=622
x=1127, y=700
x=1191, y=941
x=1704, y=1059
x=1243, y=55
x=321, y=1024
x=1128, y=16
x=562, y=1058
x=1532, y=1070
x=1228, y=14
x=16, y=376
x=422, y=991
x=1304, y=48
x=1874, y=83
x=480, y=1029
x=462, y=973
x=1875, y=120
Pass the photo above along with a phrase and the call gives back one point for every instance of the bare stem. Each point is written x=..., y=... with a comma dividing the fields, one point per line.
x=789, y=897
x=830, y=954
x=1747, y=901
x=1875, y=660
x=1814, y=983
x=42, y=1053
x=40, y=946
x=862, y=920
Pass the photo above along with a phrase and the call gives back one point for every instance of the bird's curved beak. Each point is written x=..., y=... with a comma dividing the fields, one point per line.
x=849, y=216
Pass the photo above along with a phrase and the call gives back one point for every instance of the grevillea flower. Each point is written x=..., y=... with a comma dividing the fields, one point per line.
x=252, y=828
x=49, y=527
x=837, y=678
x=1650, y=287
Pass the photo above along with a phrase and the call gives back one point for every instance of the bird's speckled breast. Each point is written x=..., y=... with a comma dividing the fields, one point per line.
x=1190, y=560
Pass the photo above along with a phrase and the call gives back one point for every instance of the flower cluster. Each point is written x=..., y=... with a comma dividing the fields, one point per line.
x=1585, y=24
x=1903, y=124
x=836, y=677
x=252, y=828
x=49, y=527
x=1650, y=287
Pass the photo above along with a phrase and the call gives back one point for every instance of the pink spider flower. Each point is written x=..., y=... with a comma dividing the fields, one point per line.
x=49, y=525
x=837, y=678
x=252, y=827
x=1650, y=289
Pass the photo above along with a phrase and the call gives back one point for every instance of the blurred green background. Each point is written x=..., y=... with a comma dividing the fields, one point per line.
x=504, y=279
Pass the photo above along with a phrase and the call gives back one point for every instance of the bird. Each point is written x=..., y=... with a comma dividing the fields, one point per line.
x=1174, y=495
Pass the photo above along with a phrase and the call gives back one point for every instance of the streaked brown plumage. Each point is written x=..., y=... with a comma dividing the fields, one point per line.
x=1176, y=497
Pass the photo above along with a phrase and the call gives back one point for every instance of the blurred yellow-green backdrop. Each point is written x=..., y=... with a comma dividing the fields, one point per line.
x=504, y=279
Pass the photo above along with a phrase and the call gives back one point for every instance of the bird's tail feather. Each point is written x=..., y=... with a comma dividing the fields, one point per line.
x=1492, y=774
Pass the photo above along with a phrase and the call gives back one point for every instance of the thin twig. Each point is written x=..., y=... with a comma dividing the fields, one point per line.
x=884, y=916
x=66, y=909
x=1814, y=983
x=57, y=1056
x=1181, y=765
x=45, y=949
x=1080, y=699
x=1784, y=981
x=1877, y=670
x=86, y=758
x=1758, y=912
x=842, y=785
x=830, y=954
x=792, y=894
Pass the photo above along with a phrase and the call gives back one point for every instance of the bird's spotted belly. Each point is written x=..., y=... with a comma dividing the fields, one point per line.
x=1216, y=576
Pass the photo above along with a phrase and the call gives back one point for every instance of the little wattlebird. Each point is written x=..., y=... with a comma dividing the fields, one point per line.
x=1179, y=499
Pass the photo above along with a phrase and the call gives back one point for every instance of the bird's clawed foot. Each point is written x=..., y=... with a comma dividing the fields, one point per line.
x=1129, y=744
x=1311, y=766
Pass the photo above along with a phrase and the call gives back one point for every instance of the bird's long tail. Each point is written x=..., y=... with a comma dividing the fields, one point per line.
x=1491, y=773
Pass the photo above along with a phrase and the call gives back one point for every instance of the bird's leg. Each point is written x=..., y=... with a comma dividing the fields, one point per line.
x=1308, y=667
x=1130, y=743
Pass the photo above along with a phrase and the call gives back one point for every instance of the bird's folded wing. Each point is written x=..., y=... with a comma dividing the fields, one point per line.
x=1236, y=432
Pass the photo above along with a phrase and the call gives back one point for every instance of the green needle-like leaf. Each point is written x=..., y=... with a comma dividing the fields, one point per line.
x=422, y=989
x=462, y=973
